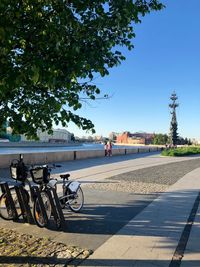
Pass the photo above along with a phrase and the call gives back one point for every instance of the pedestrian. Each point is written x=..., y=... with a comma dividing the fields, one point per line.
x=106, y=148
x=109, y=148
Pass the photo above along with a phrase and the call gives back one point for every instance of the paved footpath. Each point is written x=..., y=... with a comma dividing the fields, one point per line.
x=158, y=235
x=163, y=233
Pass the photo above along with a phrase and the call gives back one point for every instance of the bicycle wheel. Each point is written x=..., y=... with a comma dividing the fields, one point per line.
x=5, y=209
x=75, y=200
x=37, y=211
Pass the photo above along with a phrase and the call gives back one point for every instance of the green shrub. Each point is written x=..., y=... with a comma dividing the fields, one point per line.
x=181, y=151
x=10, y=137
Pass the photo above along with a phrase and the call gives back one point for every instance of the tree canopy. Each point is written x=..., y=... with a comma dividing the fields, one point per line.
x=50, y=51
x=160, y=139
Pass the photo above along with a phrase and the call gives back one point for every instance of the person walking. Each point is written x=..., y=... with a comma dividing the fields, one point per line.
x=106, y=148
x=109, y=149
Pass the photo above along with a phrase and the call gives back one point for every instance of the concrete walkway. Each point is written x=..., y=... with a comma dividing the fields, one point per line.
x=153, y=236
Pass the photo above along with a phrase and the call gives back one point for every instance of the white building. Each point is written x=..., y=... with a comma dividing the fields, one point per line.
x=59, y=135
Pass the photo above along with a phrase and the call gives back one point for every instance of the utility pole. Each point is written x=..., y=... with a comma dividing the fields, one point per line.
x=173, y=136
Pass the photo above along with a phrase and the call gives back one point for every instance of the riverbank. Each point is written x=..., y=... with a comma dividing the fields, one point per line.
x=44, y=156
x=38, y=144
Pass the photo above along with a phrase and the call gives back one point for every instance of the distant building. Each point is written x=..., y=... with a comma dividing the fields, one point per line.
x=113, y=136
x=58, y=136
x=98, y=137
x=135, y=138
x=195, y=141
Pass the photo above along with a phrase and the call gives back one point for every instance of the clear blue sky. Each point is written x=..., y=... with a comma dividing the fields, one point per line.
x=166, y=58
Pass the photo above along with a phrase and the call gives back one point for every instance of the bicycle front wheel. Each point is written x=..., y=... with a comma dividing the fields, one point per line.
x=5, y=208
x=39, y=218
x=75, y=200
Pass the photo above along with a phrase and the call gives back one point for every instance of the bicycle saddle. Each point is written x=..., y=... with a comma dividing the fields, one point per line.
x=65, y=176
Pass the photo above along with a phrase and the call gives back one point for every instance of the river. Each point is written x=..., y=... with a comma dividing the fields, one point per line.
x=32, y=149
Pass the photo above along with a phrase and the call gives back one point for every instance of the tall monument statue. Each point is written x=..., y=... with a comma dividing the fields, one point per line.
x=173, y=135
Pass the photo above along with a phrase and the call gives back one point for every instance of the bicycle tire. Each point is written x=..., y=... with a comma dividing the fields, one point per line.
x=75, y=203
x=58, y=223
x=5, y=211
x=37, y=212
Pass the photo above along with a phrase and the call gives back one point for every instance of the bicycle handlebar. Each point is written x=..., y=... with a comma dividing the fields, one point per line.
x=53, y=166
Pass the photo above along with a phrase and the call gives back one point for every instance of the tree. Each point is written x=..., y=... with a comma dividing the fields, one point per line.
x=160, y=139
x=189, y=142
x=73, y=138
x=50, y=51
x=173, y=136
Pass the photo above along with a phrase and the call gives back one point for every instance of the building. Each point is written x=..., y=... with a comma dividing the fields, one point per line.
x=58, y=136
x=135, y=138
x=113, y=136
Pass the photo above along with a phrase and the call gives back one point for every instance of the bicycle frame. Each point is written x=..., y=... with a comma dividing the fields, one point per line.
x=73, y=186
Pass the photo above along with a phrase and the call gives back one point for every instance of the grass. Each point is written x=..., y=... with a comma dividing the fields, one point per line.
x=181, y=151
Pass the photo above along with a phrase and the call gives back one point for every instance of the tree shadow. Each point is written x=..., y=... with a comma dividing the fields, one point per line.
x=134, y=263
x=167, y=222
x=163, y=218
x=35, y=260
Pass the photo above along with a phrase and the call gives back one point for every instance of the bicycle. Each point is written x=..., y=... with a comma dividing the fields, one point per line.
x=72, y=194
x=19, y=172
x=41, y=176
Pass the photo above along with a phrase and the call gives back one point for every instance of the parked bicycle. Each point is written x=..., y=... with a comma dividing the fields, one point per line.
x=71, y=195
x=19, y=172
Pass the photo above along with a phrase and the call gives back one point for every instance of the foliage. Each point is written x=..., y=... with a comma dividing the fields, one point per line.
x=160, y=139
x=10, y=137
x=14, y=137
x=181, y=151
x=50, y=51
x=183, y=141
x=73, y=138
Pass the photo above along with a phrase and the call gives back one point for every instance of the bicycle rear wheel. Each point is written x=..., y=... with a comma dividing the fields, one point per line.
x=75, y=200
x=37, y=211
x=5, y=208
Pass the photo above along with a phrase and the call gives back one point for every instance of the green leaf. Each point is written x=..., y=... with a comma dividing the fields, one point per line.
x=36, y=75
x=51, y=51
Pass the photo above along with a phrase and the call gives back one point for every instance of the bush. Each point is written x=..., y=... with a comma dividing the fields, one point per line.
x=181, y=151
x=10, y=137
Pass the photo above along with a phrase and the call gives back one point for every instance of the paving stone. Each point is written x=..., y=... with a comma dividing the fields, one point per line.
x=26, y=250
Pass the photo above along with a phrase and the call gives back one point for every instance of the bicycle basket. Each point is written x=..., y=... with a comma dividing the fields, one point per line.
x=18, y=170
x=39, y=174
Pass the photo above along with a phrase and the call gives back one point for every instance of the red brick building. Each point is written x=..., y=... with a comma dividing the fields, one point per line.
x=135, y=138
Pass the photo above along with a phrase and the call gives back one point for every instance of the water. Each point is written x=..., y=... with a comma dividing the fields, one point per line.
x=18, y=150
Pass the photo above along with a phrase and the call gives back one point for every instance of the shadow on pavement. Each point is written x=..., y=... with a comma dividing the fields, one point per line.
x=133, y=263
x=90, y=262
x=34, y=260
x=107, y=218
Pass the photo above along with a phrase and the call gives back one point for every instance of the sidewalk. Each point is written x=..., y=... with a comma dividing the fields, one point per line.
x=152, y=237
